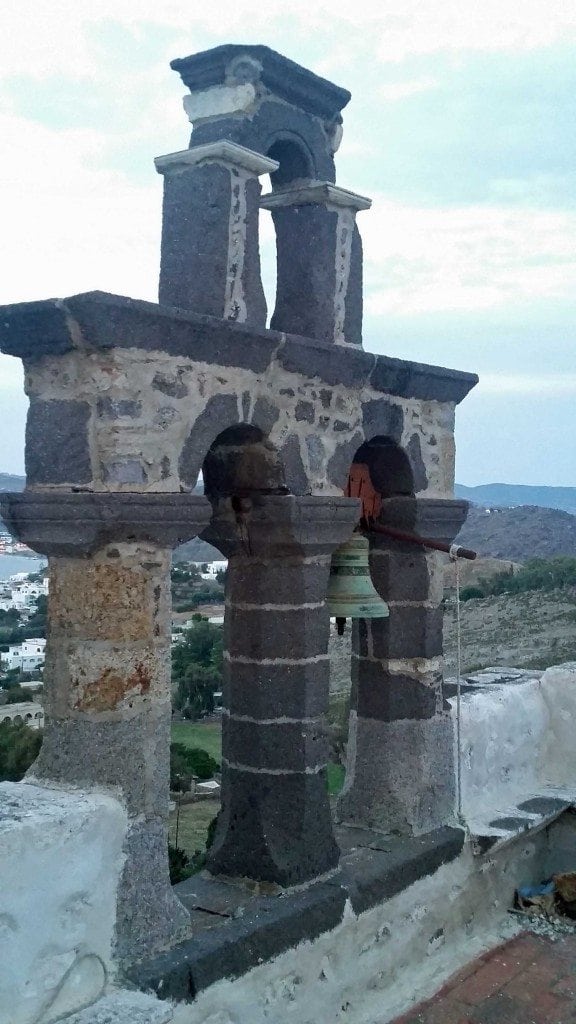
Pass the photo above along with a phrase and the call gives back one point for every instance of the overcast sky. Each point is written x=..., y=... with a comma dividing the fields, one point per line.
x=461, y=127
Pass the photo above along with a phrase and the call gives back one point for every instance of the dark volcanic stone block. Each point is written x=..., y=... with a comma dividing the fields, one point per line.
x=277, y=828
x=382, y=418
x=353, y=315
x=294, y=472
x=398, y=575
x=338, y=467
x=57, y=449
x=387, y=697
x=296, y=584
x=372, y=876
x=287, y=746
x=195, y=238
x=416, y=461
x=408, y=633
x=294, y=633
x=268, y=927
x=306, y=282
x=275, y=691
x=265, y=415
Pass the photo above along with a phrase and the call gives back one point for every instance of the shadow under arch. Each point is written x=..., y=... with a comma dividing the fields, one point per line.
x=242, y=461
x=294, y=158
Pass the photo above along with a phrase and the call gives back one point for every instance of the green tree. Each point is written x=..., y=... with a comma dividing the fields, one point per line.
x=19, y=747
x=197, y=668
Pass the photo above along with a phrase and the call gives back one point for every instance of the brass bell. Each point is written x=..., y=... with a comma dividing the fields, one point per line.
x=351, y=593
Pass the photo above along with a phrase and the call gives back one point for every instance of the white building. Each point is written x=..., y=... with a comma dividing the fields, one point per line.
x=27, y=656
x=212, y=568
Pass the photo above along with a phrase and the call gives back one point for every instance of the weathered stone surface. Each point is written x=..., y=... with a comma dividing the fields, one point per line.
x=292, y=633
x=382, y=418
x=267, y=927
x=294, y=472
x=195, y=238
x=220, y=412
x=251, y=281
x=431, y=518
x=277, y=828
x=388, y=696
x=399, y=572
x=265, y=414
x=306, y=270
x=305, y=411
x=111, y=409
x=277, y=690
x=129, y=754
x=338, y=467
x=354, y=304
x=408, y=632
x=400, y=775
x=297, y=584
x=57, y=449
x=372, y=876
x=420, y=380
x=280, y=746
x=79, y=524
x=332, y=364
x=149, y=915
x=414, y=452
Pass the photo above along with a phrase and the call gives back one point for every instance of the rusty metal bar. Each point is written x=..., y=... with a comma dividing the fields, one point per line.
x=412, y=538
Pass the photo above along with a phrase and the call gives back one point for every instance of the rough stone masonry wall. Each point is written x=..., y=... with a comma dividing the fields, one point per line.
x=135, y=404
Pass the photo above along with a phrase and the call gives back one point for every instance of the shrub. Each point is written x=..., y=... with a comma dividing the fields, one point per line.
x=186, y=762
x=471, y=593
x=19, y=747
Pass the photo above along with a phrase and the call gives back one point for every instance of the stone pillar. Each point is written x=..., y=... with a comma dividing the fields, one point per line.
x=107, y=674
x=210, y=259
x=400, y=771
x=319, y=261
x=275, y=823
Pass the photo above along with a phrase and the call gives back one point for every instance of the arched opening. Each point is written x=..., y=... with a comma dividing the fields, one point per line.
x=390, y=475
x=296, y=165
x=241, y=461
x=294, y=160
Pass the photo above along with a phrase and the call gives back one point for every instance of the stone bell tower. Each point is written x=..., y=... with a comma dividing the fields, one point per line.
x=253, y=113
x=130, y=400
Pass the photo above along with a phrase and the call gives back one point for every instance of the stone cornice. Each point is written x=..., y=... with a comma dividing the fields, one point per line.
x=77, y=524
x=318, y=192
x=99, y=320
x=431, y=518
x=221, y=152
x=282, y=77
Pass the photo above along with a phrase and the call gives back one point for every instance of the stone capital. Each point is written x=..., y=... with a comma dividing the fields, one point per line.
x=274, y=526
x=221, y=152
x=430, y=518
x=57, y=523
x=321, y=193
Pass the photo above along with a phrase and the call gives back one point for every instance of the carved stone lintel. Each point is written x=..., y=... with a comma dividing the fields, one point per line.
x=77, y=524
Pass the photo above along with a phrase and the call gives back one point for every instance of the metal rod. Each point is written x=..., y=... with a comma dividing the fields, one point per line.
x=412, y=538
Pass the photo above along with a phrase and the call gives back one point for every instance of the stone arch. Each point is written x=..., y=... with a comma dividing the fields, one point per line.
x=234, y=421
x=240, y=461
x=28, y=717
x=17, y=719
x=7, y=718
x=296, y=162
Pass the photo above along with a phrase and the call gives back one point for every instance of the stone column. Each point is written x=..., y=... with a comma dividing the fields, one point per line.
x=107, y=674
x=275, y=823
x=210, y=259
x=400, y=771
x=319, y=261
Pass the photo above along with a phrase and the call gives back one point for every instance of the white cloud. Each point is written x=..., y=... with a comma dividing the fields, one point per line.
x=393, y=91
x=423, y=259
x=545, y=385
x=40, y=39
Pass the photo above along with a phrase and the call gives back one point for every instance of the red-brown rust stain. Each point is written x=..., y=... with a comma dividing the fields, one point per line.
x=111, y=688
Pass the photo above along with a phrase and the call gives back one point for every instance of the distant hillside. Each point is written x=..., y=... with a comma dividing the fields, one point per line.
x=8, y=482
x=520, y=533
x=508, y=495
